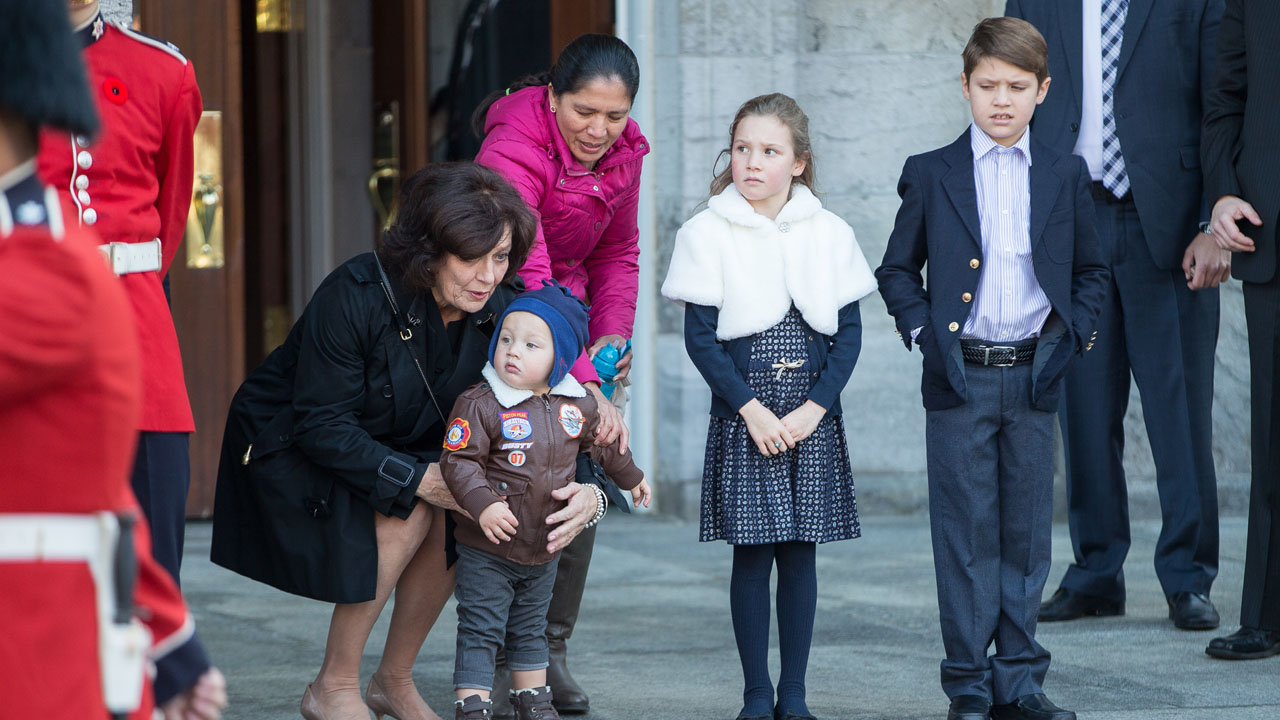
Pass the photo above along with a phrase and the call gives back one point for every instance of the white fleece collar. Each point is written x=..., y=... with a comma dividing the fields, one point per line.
x=731, y=206
x=510, y=397
x=754, y=269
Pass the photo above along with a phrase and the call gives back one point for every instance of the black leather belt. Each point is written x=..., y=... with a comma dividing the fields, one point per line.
x=1100, y=192
x=980, y=353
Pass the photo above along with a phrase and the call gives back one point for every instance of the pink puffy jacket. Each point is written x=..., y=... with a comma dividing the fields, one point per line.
x=587, y=235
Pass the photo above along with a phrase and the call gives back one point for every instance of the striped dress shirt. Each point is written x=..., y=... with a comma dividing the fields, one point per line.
x=1009, y=304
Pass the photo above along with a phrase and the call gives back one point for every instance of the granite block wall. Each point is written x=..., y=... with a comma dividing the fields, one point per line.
x=880, y=80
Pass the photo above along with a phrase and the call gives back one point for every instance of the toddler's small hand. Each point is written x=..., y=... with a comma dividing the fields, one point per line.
x=641, y=494
x=498, y=524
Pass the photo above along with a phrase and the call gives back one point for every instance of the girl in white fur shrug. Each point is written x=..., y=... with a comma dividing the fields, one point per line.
x=770, y=282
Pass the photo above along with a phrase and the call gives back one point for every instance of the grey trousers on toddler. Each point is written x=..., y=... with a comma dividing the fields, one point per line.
x=500, y=604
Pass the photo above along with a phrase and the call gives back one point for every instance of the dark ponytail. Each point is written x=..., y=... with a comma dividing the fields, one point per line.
x=588, y=57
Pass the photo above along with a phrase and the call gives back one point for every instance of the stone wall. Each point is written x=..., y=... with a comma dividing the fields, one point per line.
x=880, y=81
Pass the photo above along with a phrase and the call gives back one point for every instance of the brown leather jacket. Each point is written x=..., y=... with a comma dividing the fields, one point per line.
x=510, y=445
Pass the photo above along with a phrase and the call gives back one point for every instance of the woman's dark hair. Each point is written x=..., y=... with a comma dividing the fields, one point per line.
x=458, y=209
x=588, y=57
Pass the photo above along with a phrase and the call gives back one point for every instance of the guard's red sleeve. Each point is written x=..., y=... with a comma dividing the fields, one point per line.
x=175, y=165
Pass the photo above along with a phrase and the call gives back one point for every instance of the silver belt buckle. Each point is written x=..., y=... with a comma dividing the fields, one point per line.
x=986, y=355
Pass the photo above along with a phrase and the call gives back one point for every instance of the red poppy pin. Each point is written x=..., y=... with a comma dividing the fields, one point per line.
x=115, y=90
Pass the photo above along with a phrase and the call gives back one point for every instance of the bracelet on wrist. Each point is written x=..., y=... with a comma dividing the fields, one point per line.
x=602, y=506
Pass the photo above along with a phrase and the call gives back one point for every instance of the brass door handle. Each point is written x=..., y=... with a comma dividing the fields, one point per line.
x=204, y=236
x=381, y=206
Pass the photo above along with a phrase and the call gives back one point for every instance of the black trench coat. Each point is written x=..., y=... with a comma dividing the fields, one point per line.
x=340, y=426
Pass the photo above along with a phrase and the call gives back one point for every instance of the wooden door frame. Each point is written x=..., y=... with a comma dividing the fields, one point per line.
x=571, y=18
x=208, y=305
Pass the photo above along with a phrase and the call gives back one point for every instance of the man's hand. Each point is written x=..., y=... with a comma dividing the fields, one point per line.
x=1205, y=264
x=1226, y=212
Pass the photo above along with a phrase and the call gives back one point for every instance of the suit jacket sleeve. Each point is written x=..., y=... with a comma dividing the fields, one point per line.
x=464, y=468
x=1090, y=275
x=846, y=344
x=175, y=166
x=711, y=358
x=1224, y=107
x=899, y=274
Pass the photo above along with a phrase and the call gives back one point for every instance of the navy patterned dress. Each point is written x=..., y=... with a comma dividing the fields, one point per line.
x=803, y=494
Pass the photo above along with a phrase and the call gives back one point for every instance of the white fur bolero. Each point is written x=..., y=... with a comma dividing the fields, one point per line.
x=753, y=268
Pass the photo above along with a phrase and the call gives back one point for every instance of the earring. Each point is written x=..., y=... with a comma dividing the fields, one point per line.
x=553, y=108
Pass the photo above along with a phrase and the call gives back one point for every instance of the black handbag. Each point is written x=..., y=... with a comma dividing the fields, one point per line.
x=591, y=472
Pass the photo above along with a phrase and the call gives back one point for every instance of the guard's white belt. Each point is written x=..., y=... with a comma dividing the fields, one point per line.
x=125, y=258
x=40, y=537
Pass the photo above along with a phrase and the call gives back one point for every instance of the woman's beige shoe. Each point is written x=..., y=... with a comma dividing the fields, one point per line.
x=381, y=704
x=313, y=710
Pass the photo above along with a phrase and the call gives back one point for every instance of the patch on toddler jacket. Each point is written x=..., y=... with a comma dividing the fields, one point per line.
x=571, y=419
x=515, y=425
x=456, y=437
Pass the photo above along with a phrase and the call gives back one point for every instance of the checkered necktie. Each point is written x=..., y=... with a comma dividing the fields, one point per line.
x=1114, y=177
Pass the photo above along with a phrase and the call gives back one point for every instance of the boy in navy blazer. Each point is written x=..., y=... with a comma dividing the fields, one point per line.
x=1015, y=281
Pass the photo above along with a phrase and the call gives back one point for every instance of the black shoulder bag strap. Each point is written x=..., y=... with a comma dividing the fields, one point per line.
x=406, y=334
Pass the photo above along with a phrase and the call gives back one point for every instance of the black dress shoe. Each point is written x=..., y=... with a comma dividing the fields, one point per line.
x=969, y=707
x=788, y=715
x=1192, y=611
x=1068, y=605
x=1031, y=707
x=1245, y=644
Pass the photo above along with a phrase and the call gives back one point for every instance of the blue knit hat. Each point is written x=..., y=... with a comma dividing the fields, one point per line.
x=564, y=313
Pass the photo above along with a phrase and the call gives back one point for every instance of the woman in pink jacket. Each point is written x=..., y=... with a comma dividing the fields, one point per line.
x=566, y=141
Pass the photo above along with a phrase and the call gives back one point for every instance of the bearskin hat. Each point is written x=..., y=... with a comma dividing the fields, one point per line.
x=42, y=75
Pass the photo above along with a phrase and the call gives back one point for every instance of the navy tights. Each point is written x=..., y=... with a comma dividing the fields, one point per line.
x=749, y=603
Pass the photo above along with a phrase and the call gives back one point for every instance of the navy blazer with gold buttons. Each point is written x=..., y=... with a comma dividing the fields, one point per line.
x=938, y=224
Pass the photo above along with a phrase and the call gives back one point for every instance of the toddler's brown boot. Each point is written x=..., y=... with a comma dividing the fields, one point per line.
x=534, y=704
x=473, y=708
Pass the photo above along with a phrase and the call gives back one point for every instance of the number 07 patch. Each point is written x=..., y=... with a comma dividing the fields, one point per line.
x=456, y=437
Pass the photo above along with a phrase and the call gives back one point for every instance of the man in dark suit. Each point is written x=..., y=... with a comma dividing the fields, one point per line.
x=1242, y=177
x=1129, y=78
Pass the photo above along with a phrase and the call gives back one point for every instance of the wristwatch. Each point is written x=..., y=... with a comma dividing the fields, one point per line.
x=1206, y=228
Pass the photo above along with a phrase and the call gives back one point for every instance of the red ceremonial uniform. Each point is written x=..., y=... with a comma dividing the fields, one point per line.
x=69, y=403
x=134, y=184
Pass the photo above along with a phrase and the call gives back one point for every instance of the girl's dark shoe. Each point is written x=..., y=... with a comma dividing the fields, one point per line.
x=534, y=704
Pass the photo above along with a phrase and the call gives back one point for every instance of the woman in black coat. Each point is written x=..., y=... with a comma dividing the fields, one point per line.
x=332, y=442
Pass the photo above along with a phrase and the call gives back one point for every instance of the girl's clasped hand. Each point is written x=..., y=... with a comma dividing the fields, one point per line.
x=774, y=435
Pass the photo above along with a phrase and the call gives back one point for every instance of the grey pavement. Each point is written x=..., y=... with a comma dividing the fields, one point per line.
x=655, y=639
